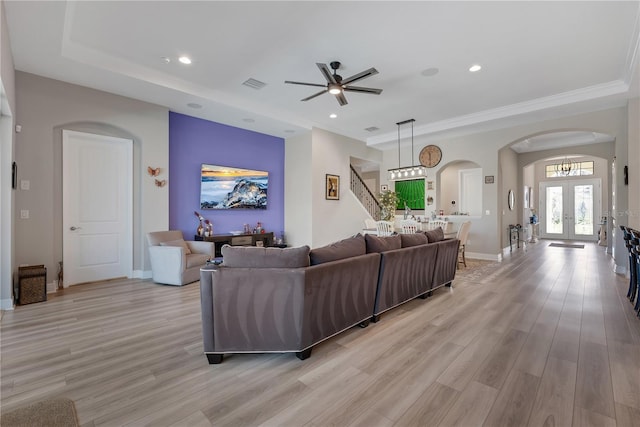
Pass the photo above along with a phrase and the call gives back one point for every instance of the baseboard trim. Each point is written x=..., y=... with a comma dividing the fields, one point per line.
x=142, y=274
x=6, y=304
x=620, y=269
x=483, y=256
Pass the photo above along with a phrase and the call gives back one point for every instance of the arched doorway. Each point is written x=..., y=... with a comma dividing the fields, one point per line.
x=566, y=176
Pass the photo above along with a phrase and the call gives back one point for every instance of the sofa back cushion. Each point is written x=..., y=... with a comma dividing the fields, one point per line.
x=255, y=257
x=413, y=239
x=346, y=248
x=435, y=235
x=382, y=244
x=179, y=243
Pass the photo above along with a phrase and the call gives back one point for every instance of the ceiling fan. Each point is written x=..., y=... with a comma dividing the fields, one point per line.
x=336, y=85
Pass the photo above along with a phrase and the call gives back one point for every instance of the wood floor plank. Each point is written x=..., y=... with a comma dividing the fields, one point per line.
x=554, y=401
x=494, y=370
x=585, y=418
x=627, y=416
x=625, y=373
x=462, y=369
x=472, y=407
x=515, y=400
x=594, y=388
x=431, y=407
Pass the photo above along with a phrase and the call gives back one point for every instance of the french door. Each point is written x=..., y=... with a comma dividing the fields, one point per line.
x=569, y=208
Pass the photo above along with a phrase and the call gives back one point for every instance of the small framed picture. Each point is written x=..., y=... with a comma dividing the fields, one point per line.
x=488, y=179
x=384, y=187
x=332, y=187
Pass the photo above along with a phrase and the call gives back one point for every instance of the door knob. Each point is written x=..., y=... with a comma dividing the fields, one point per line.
x=72, y=228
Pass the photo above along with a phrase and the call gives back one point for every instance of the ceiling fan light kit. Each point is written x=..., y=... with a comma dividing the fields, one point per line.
x=336, y=85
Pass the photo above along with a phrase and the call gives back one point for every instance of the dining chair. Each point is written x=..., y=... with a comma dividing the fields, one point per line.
x=410, y=226
x=463, y=234
x=385, y=228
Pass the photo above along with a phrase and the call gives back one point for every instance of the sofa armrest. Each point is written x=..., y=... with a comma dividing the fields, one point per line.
x=447, y=262
x=202, y=247
x=252, y=309
x=167, y=263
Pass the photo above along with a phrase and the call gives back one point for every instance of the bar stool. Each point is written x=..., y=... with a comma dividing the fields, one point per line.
x=635, y=250
x=633, y=262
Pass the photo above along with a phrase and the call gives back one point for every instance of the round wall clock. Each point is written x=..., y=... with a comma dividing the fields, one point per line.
x=430, y=156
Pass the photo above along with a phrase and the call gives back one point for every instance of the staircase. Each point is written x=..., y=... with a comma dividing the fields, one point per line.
x=364, y=194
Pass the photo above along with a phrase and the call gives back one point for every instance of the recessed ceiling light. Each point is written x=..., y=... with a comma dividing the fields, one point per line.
x=185, y=60
x=194, y=105
x=166, y=59
x=333, y=115
x=475, y=68
x=430, y=72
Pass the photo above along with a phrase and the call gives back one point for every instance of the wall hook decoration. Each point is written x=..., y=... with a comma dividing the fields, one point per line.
x=153, y=172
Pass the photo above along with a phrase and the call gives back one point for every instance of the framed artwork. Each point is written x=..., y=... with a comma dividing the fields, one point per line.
x=488, y=179
x=384, y=187
x=332, y=187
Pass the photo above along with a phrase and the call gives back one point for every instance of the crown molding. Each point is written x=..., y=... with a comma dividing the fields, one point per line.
x=616, y=87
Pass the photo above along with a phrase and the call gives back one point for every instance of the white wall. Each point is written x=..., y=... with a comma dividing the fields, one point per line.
x=634, y=163
x=298, y=212
x=47, y=106
x=509, y=174
x=7, y=155
x=336, y=219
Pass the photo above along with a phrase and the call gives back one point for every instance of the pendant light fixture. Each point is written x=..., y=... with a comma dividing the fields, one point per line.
x=565, y=167
x=408, y=172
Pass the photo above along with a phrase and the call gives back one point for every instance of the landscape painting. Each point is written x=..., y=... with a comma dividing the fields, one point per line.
x=224, y=187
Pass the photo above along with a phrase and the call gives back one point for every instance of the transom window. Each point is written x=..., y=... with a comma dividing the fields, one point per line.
x=554, y=170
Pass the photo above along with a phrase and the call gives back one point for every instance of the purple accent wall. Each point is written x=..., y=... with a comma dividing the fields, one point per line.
x=194, y=141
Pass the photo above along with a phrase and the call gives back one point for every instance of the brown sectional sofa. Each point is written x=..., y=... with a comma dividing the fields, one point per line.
x=288, y=300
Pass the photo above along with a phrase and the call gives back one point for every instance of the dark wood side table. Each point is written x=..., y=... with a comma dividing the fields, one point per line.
x=252, y=239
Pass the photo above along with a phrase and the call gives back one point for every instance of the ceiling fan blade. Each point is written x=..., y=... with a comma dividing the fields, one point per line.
x=341, y=99
x=305, y=84
x=326, y=73
x=360, y=76
x=315, y=94
x=363, y=90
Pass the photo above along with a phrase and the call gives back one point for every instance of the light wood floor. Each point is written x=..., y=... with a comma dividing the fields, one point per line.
x=545, y=338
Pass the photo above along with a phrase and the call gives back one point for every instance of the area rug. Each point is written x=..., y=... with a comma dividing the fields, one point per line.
x=566, y=245
x=51, y=412
x=476, y=269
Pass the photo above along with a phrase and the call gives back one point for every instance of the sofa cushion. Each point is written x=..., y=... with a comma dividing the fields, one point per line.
x=346, y=248
x=195, y=260
x=179, y=243
x=413, y=239
x=435, y=235
x=382, y=244
x=255, y=257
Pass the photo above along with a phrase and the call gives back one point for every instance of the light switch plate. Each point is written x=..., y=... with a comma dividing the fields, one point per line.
x=25, y=184
x=24, y=214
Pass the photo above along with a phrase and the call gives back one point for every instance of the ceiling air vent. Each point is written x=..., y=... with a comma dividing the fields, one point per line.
x=372, y=129
x=254, y=84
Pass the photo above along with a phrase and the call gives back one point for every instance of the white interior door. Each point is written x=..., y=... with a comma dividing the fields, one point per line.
x=97, y=207
x=568, y=209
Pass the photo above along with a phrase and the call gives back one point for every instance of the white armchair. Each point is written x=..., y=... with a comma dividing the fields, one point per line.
x=175, y=261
